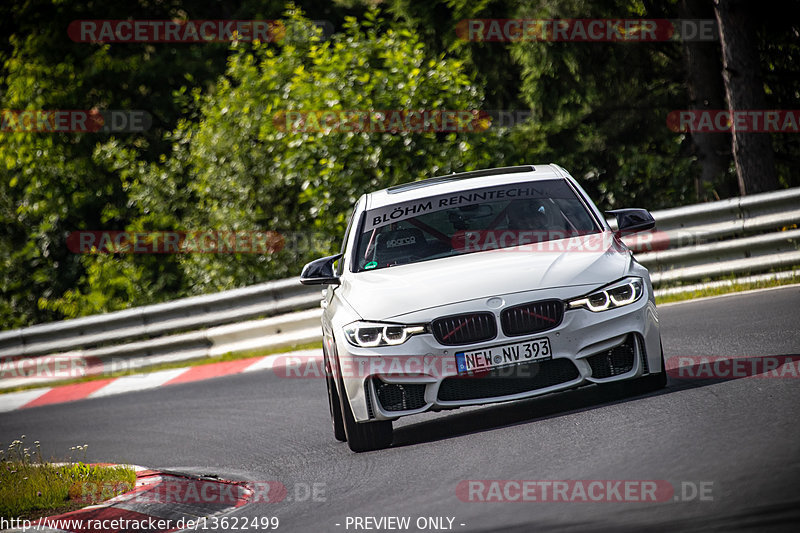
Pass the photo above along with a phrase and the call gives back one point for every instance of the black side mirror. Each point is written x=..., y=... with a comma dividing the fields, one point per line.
x=320, y=271
x=632, y=220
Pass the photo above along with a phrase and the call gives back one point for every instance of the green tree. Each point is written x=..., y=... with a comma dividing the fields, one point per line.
x=600, y=108
x=51, y=183
x=239, y=167
x=54, y=184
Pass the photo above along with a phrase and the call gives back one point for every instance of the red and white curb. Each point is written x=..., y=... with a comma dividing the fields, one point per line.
x=159, y=502
x=106, y=387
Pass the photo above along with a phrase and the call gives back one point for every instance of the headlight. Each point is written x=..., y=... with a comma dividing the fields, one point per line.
x=370, y=334
x=617, y=294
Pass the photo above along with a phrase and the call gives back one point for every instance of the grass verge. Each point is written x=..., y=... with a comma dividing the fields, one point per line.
x=31, y=488
x=231, y=356
x=726, y=289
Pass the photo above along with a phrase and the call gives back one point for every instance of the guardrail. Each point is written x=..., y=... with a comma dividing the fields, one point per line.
x=274, y=314
x=186, y=314
x=752, y=234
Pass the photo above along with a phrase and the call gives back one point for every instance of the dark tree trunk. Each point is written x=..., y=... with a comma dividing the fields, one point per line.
x=706, y=92
x=752, y=152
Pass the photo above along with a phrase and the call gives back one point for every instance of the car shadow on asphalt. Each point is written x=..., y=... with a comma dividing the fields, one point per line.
x=691, y=376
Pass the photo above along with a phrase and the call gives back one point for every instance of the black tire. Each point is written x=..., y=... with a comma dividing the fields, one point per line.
x=657, y=381
x=363, y=436
x=333, y=403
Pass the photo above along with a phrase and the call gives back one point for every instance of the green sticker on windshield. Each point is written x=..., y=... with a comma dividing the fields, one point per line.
x=370, y=265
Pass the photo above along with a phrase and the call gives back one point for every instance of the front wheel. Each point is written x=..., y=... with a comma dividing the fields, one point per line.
x=657, y=381
x=334, y=404
x=363, y=436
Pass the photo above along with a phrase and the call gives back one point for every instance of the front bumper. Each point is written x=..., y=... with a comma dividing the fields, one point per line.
x=420, y=375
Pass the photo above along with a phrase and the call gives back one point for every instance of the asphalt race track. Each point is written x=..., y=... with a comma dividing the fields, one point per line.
x=736, y=439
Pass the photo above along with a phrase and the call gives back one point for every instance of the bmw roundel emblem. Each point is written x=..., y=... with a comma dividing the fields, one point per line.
x=494, y=303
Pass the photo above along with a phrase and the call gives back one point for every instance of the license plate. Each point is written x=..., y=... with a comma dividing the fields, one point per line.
x=509, y=354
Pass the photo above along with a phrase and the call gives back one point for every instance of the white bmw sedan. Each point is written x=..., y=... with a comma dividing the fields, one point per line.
x=480, y=287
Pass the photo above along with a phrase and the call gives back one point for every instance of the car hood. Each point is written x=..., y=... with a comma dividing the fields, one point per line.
x=390, y=292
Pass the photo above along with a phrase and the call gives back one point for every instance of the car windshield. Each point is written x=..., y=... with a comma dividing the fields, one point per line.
x=472, y=221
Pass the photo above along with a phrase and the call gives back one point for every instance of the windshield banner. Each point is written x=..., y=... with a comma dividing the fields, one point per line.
x=396, y=212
